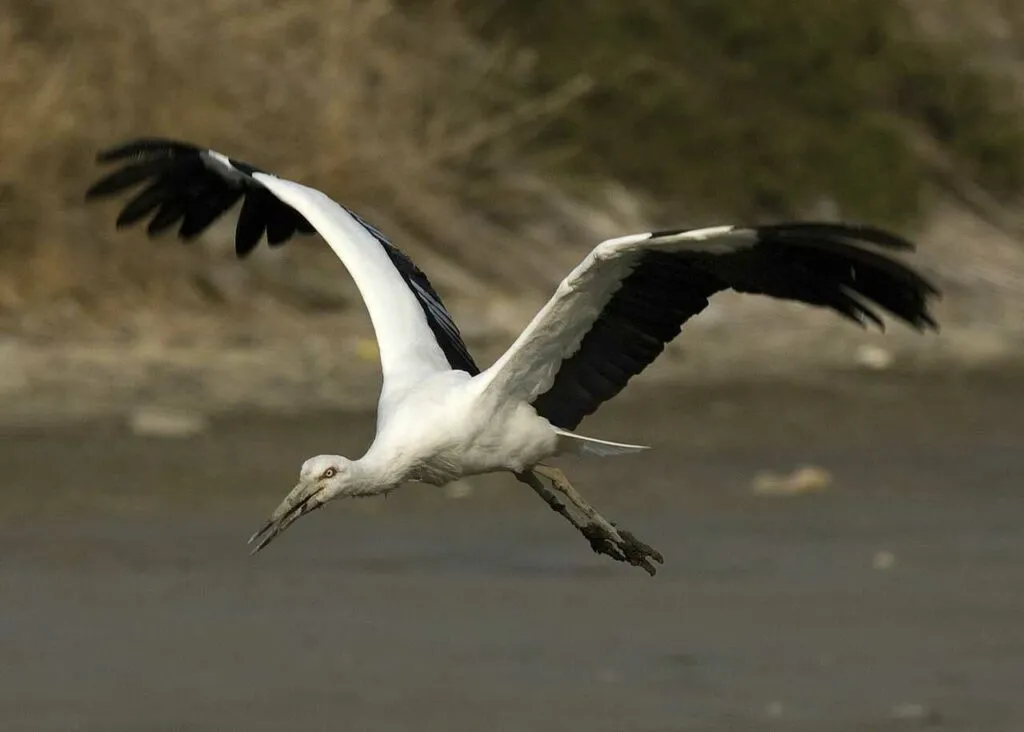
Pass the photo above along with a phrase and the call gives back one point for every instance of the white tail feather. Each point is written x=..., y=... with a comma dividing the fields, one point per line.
x=600, y=448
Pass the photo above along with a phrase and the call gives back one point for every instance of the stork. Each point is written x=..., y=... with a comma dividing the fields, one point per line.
x=440, y=417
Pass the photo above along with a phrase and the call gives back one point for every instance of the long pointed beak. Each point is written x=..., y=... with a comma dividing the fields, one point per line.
x=301, y=500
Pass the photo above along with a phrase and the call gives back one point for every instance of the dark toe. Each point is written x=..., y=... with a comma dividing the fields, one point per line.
x=602, y=543
x=629, y=550
x=634, y=545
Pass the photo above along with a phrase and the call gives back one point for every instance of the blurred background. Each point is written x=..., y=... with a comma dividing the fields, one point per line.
x=840, y=510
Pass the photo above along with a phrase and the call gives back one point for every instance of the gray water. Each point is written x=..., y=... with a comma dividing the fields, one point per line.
x=892, y=600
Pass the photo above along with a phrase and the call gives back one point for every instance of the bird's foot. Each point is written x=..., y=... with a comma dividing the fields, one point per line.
x=622, y=546
x=604, y=536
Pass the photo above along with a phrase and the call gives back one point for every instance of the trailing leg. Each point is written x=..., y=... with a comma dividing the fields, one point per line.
x=604, y=537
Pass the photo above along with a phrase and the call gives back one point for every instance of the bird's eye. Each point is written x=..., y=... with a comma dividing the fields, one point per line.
x=329, y=473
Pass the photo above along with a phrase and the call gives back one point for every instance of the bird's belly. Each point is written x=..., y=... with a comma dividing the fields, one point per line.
x=513, y=439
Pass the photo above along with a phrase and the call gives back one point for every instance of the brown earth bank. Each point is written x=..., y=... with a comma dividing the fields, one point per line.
x=884, y=594
x=287, y=331
x=438, y=133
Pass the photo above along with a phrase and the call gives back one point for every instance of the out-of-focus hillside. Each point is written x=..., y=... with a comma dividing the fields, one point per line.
x=413, y=121
x=775, y=107
x=496, y=142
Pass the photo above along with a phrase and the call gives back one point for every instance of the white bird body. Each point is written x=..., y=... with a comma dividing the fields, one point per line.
x=435, y=424
x=446, y=427
x=441, y=418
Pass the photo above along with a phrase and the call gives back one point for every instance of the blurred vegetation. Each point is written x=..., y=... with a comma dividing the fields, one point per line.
x=755, y=107
x=410, y=121
x=457, y=122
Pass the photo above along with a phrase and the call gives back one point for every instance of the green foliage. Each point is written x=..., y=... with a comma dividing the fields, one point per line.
x=764, y=107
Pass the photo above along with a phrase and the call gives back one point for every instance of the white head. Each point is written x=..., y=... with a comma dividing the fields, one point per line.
x=321, y=479
x=326, y=474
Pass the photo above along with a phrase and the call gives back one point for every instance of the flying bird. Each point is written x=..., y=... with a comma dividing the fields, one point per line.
x=440, y=417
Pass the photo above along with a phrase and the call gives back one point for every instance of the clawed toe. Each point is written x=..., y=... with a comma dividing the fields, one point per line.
x=602, y=543
x=640, y=554
x=623, y=548
x=639, y=547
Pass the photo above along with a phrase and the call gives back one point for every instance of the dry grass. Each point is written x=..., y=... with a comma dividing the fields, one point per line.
x=407, y=118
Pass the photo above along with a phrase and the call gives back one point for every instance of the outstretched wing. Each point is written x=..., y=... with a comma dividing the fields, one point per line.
x=614, y=313
x=191, y=187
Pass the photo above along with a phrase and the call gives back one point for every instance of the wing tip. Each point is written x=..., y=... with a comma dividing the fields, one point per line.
x=142, y=145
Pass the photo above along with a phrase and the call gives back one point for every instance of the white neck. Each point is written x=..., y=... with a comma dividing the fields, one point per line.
x=375, y=473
